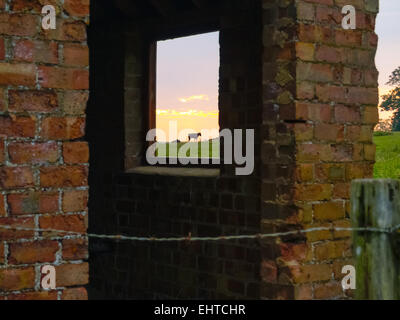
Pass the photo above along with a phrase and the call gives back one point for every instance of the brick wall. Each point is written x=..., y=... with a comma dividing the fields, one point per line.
x=320, y=103
x=44, y=81
x=288, y=70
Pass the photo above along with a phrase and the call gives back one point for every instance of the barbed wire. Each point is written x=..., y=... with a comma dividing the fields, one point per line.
x=197, y=238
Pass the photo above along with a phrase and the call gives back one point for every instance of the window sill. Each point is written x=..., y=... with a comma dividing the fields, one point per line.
x=171, y=171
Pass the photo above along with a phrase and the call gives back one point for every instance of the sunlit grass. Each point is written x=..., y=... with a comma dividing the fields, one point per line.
x=387, y=156
x=195, y=149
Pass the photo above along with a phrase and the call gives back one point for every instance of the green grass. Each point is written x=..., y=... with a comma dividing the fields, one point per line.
x=195, y=153
x=387, y=156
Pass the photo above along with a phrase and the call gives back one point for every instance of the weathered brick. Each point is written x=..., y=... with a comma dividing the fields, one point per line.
x=36, y=51
x=2, y=49
x=32, y=100
x=62, y=78
x=77, y=8
x=329, y=210
x=63, y=176
x=309, y=273
x=74, y=223
x=74, y=294
x=75, y=249
x=17, y=74
x=18, y=24
x=35, y=295
x=32, y=252
x=23, y=127
x=66, y=128
x=16, y=177
x=328, y=290
x=2, y=206
x=17, y=279
x=2, y=250
x=313, y=192
x=67, y=30
x=33, y=153
x=72, y=274
x=75, y=200
x=76, y=55
x=33, y=202
x=7, y=234
x=74, y=102
x=2, y=151
x=75, y=152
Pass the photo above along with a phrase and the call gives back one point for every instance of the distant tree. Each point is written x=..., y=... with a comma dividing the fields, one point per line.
x=391, y=101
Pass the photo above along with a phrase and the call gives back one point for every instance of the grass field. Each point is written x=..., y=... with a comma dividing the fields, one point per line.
x=192, y=149
x=387, y=156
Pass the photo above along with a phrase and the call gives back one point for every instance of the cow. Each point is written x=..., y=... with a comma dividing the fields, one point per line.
x=194, y=136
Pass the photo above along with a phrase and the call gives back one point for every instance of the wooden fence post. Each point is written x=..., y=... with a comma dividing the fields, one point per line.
x=375, y=203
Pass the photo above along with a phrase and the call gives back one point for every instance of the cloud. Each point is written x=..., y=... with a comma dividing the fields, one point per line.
x=202, y=97
x=194, y=113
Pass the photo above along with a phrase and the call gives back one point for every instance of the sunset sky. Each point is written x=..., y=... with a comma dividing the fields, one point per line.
x=188, y=73
x=388, y=54
x=187, y=83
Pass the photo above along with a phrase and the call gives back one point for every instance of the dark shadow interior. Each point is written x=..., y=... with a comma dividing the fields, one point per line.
x=160, y=205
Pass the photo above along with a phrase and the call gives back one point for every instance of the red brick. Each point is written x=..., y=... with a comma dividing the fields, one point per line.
x=67, y=128
x=67, y=30
x=74, y=102
x=62, y=78
x=351, y=38
x=313, y=152
x=17, y=74
x=64, y=176
x=36, y=51
x=72, y=274
x=75, y=223
x=2, y=49
x=7, y=234
x=77, y=8
x=328, y=290
x=2, y=151
x=32, y=100
x=18, y=24
x=74, y=294
x=314, y=72
x=33, y=153
x=76, y=55
x=2, y=206
x=76, y=152
x=37, y=295
x=329, y=132
x=344, y=114
x=34, y=202
x=75, y=249
x=2, y=260
x=33, y=252
x=2, y=100
x=17, y=127
x=309, y=273
x=75, y=200
x=25, y=6
x=16, y=177
x=17, y=279
x=314, y=112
